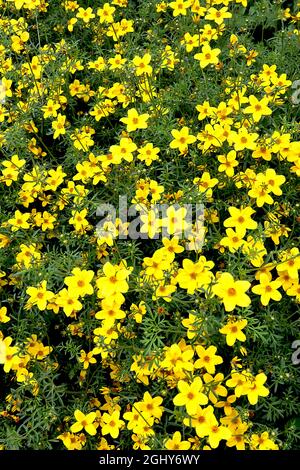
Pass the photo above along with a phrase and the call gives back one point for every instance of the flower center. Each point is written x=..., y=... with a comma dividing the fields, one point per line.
x=231, y=292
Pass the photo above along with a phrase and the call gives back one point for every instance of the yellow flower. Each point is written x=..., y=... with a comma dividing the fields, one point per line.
x=228, y=163
x=85, y=14
x=233, y=331
x=255, y=388
x=104, y=445
x=69, y=303
x=194, y=276
x=124, y=150
x=8, y=354
x=114, y=280
x=175, y=443
x=182, y=139
x=111, y=424
x=156, y=265
x=135, y=121
x=98, y=64
x=107, y=330
x=233, y=240
x=50, y=109
x=71, y=24
x=164, y=291
x=207, y=56
x=205, y=110
x=232, y=293
x=217, y=433
x=190, y=395
x=59, y=126
x=274, y=181
x=294, y=290
x=78, y=220
x=227, y=405
x=71, y=441
x=44, y=220
x=177, y=359
x=258, y=108
x=255, y=250
x=171, y=247
x=193, y=324
x=19, y=221
x=4, y=241
x=133, y=416
x=116, y=62
x=174, y=221
x=161, y=6
x=5, y=88
x=241, y=220
x=237, y=381
x=79, y=284
x=55, y=178
x=106, y=13
x=148, y=153
x=262, y=442
x=151, y=406
x=215, y=386
x=179, y=7
x=202, y=419
x=111, y=310
x=3, y=317
x=39, y=296
x=155, y=190
x=290, y=262
x=211, y=136
x=142, y=65
x=205, y=184
x=261, y=192
x=85, y=422
x=190, y=42
x=207, y=359
x=243, y=139
x=267, y=289
x=138, y=311
x=218, y=16
x=87, y=358
x=250, y=57
x=262, y=151
x=145, y=428
x=3, y=349
x=268, y=73
x=151, y=224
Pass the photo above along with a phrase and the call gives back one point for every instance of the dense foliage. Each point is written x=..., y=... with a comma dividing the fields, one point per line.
x=165, y=341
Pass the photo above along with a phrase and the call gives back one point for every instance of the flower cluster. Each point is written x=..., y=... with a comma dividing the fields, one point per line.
x=168, y=341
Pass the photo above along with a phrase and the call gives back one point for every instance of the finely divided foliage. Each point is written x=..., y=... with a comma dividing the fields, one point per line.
x=178, y=339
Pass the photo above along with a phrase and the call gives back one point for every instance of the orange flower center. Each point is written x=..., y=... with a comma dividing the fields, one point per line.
x=231, y=292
